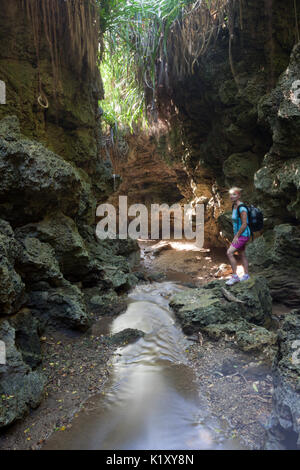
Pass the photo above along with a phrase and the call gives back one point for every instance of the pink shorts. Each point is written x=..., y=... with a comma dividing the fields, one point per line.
x=241, y=243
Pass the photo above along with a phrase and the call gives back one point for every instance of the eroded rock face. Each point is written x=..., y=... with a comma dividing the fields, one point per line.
x=278, y=181
x=51, y=179
x=35, y=181
x=69, y=125
x=21, y=386
x=49, y=255
x=284, y=424
x=240, y=125
x=12, y=288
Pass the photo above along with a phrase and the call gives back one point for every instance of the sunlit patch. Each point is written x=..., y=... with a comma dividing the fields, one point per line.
x=180, y=245
x=185, y=246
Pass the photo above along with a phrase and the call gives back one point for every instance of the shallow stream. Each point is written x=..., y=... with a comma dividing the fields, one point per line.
x=151, y=400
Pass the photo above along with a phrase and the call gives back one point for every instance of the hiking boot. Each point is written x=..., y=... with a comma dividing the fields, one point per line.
x=245, y=277
x=234, y=278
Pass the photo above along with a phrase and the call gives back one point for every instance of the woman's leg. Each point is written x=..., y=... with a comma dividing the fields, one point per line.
x=244, y=261
x=232, y=260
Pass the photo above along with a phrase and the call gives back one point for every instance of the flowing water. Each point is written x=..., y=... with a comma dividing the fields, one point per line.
x=151, y=400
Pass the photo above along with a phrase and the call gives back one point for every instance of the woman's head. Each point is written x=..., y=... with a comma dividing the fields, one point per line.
x=235, y=193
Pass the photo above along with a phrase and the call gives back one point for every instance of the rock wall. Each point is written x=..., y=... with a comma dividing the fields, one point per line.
x=53, y=270
x=238, y=118
x=145, y=177
x=284, y=426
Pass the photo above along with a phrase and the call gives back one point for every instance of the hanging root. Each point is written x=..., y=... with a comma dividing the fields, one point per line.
x=71, y=28
x=296, y=20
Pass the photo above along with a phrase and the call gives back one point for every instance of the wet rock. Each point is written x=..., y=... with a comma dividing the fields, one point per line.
x=129, y=335
x=284, y=424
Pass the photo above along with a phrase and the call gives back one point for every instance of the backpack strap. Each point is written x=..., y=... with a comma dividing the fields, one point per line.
x=248, y=212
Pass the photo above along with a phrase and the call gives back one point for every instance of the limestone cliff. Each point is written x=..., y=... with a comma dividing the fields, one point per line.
x=53, y=269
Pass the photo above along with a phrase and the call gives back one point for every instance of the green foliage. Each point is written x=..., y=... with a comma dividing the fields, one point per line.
x=124, y=99
x=134, y=32
x=138, y=45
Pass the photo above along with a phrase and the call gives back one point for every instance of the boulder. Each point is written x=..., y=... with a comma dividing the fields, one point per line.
x=129, y=335
x=241, y=314
x=198, y=308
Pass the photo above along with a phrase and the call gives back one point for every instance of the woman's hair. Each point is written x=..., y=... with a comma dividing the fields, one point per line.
x=235, y=189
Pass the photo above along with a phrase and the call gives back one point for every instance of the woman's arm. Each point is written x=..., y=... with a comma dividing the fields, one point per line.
x=243, y=215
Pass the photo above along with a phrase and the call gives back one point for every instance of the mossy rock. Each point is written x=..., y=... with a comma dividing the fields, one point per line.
x=198, y=308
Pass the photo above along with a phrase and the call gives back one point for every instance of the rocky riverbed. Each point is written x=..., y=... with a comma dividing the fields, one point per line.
x=233, y=343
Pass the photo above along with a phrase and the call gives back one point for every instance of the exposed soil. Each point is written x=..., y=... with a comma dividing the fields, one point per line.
x=238, y=388
x=77, y=367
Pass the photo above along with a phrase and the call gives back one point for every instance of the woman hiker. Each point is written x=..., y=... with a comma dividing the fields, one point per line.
x=242, y=235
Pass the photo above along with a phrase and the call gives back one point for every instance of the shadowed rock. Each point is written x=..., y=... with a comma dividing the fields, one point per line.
x=284, y=424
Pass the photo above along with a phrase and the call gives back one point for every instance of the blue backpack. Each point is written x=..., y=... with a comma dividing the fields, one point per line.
x=255, y=218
